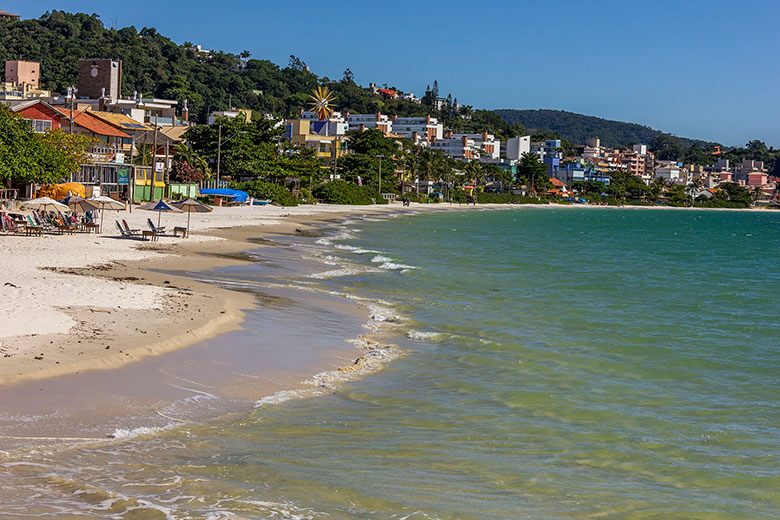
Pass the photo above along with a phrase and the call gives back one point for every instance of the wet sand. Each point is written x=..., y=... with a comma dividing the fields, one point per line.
x=264, y=336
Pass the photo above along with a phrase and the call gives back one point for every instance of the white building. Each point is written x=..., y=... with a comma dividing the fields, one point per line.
x=668, y=173
x=244, y=113
x=422, y=130
x=378, y=121
x=487, y=145
x=461, y=147
x=517, y=146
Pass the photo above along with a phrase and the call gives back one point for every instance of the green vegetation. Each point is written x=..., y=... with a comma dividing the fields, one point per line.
x=343, y=192
x=577, y=128
x=508, y=198
x=268, y=191
x=27, y=157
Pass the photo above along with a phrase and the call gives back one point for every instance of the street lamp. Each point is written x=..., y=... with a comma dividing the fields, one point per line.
x=380, y=157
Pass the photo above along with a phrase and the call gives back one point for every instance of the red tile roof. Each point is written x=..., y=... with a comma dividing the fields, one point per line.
x=556, y=182
x=92, y=123
x=387, y=91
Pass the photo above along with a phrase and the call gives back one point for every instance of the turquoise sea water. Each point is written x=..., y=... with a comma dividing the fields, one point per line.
x=559, y=363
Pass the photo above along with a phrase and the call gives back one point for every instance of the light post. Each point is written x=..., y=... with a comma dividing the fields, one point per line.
x=219, y=151
x=379, y=190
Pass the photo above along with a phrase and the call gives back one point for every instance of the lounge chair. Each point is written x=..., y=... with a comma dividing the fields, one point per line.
x=127, y=234
x=157, y=230
x=131, y=231
x=32, y=228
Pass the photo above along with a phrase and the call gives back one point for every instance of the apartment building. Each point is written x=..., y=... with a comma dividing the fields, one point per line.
x=376, y=121
x=421, y=130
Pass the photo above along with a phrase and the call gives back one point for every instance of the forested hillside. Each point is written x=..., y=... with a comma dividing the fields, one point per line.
x=577, y=128
x=155, y=65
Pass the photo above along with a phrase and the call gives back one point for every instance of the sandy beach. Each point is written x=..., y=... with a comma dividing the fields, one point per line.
x=73, y=303
x=78, y=302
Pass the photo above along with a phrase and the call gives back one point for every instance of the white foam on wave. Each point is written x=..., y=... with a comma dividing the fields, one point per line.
x=356, y=250
x=122, y=434
x=419, y=335
x=376, y=356
x=387, y=264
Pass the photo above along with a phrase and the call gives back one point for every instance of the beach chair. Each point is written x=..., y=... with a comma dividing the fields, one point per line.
x=127, y=234
x=31, y=228
x=157, y=230
x=130, y=231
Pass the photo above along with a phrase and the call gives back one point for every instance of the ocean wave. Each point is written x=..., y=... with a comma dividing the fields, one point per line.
x=388, y=264
x=376, y=356
x=356, y=250
x=419, y=335
x=122, y=434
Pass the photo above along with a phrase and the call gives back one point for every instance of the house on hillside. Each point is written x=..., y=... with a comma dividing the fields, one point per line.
x=5, y=15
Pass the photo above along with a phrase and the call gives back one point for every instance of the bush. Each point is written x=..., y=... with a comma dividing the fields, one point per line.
x=343, y=192
x=507, y=198
x=268, y=190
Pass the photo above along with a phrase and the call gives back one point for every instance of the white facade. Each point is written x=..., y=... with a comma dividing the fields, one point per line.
x=669, y=173
x=517, y=146
x=421, y=129
x=461, y=147
x=378, y=121
x=486, y=144
x=640, y=149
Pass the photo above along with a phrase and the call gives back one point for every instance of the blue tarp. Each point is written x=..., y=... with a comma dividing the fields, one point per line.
x=237, y=195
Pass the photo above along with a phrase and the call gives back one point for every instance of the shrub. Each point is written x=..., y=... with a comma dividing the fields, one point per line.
x=343, y=192
x=268, y=190
x=507, y=198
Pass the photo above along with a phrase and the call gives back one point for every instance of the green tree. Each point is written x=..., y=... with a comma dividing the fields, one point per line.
x=532, y=172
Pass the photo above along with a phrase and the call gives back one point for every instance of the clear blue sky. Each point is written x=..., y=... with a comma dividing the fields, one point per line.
x=695, y=68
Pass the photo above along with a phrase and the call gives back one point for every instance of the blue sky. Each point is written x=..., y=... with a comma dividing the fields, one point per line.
x=704, y=69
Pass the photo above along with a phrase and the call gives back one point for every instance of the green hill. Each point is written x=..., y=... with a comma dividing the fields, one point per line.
x=153, y=65
x=577, y=128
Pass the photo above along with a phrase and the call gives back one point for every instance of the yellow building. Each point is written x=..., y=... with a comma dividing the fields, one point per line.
x=326, y=138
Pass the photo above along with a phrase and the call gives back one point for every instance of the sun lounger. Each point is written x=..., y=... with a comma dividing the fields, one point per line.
x=131, y=231
x=157, y=230
x=127, y=234
x=31, y=228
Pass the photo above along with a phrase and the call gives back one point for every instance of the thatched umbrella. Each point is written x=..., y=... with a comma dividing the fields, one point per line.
x=79, y=204
x=159, y=207
x=190, y=206
x=104, y=203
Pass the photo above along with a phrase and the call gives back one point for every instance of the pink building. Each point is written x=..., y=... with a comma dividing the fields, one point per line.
x=757, y=179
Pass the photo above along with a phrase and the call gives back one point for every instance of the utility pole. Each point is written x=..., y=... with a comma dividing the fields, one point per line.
x=219, y=151
x=154, y=162
x=380, y=157
x=72, y=95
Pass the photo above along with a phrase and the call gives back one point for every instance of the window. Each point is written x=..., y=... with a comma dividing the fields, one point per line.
x=41, y=125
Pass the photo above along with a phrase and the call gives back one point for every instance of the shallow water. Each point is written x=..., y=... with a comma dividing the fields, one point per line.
x=565, y=363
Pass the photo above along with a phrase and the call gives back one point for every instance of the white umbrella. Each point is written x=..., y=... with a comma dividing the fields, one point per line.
x=44, y=204
x=192, y=206
x=103, y=202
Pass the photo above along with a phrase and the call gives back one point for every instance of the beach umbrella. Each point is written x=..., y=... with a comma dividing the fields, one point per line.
x=44, y=204
x=79, y=204
x=159, y=207
x=190, y=206
x=103, y=202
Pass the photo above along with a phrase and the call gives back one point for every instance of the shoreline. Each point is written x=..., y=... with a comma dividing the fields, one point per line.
x=30, y=417
x=161, y=271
